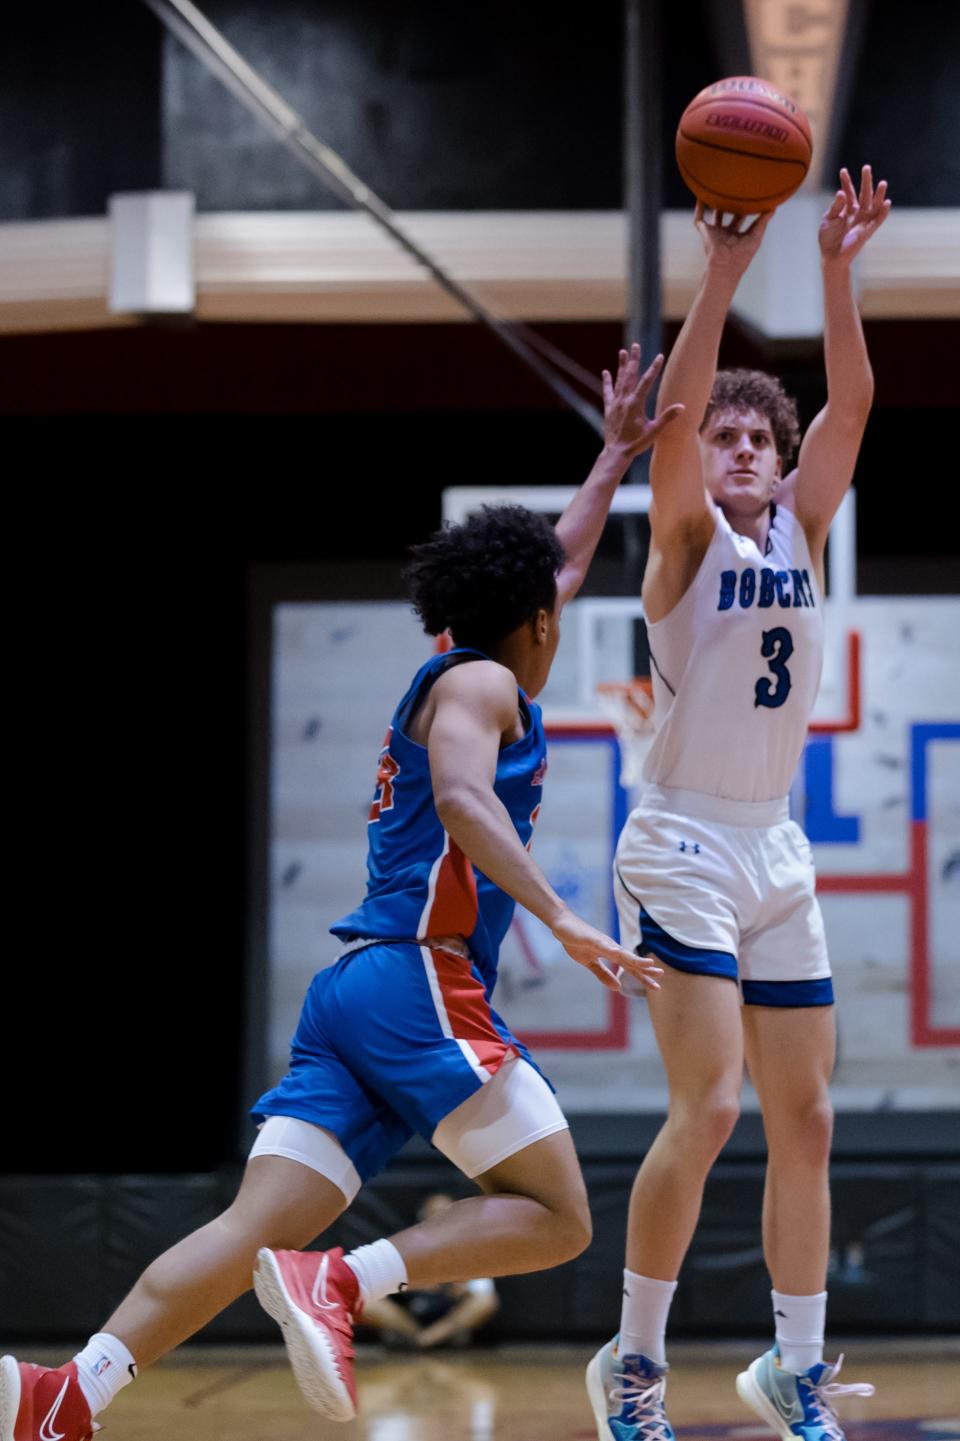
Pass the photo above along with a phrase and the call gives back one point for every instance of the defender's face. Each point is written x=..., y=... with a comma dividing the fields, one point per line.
x=741, y=467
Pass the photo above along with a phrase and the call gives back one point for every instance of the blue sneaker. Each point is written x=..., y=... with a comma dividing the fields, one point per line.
x=796, y=1406
x=626, y=1393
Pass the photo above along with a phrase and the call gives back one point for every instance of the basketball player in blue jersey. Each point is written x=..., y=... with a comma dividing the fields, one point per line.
x=711, y=875
x=399, y=1035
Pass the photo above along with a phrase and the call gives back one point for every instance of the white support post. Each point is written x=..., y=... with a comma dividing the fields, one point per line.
x=842, y=556
x=781, y=294
x=151, y=253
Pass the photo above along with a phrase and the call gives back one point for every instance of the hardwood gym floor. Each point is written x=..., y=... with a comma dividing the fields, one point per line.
x=512, y=1394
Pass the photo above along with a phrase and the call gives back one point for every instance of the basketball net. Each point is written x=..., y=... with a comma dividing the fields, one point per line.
x=628, y=705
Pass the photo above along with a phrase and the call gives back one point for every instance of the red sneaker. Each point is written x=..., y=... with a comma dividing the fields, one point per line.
x=314, y=1296
x=38, y=1403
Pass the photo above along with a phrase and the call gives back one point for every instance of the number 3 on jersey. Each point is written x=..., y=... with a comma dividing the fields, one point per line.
x=777, y=648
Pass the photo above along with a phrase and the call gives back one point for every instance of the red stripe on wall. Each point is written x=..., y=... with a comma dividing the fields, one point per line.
x=913, y=885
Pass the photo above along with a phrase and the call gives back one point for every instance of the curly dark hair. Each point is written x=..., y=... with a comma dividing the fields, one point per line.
x=755, y=390
x=483, y=578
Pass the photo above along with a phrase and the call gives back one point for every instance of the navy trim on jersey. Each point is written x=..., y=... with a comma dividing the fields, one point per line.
x=694, y=959
x=788, y=993
x=451, y=658
x=653, y=662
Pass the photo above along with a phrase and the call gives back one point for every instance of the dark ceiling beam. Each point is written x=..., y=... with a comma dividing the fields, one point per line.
x=192, y=28
x=847, y=71
x=728, y=27
x=808, y=49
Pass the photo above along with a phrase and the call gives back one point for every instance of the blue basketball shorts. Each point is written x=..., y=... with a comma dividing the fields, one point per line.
x=391, y=1038
x=724, y=888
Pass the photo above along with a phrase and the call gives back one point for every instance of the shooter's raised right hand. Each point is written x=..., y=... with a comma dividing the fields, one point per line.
x=730, y=243
x=591, y=948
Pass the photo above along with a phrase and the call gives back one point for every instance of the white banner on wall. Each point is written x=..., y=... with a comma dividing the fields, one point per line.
x=881, y=805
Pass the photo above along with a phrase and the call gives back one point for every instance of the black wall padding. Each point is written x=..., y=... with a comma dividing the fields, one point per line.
x=52, y=1272
x=724, y=1285
x=880, y=1248
x=70, y=1248
x=941, y=1302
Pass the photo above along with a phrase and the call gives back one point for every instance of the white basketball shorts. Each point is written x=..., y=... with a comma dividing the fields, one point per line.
x=724, y=888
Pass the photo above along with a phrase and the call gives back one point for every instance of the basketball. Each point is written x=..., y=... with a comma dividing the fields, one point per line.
x=743, y=146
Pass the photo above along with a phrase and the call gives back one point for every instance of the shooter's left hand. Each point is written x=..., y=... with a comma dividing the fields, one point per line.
x=852, y=218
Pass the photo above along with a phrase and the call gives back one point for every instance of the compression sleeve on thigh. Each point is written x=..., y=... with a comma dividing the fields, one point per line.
x=310, y=1145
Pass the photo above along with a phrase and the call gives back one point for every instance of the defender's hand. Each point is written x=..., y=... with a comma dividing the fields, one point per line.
x=591, y=948
x=626, y=425
x=852, y=218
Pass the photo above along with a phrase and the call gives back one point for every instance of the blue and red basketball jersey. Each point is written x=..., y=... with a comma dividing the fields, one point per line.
x=419, y=882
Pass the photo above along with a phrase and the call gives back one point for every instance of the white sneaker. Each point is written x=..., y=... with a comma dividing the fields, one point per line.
x=798, y=1407
x=626, y=1393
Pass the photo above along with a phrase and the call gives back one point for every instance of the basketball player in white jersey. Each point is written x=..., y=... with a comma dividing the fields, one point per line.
x=712, y=876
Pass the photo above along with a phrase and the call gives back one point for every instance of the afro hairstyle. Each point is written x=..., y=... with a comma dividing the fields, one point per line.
x=483, y=578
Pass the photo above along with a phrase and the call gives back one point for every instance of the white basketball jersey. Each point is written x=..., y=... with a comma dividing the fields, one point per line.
x=736, y=667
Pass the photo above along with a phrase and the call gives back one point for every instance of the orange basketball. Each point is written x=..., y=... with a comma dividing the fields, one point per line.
x=742, y=146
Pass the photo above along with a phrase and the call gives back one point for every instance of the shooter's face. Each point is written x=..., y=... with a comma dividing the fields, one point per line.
x=741, y=467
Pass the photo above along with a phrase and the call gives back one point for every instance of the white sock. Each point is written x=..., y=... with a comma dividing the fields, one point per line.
x=104, y=1367
x=800, y=1323
x=643, y=1318
x=379, y=1268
